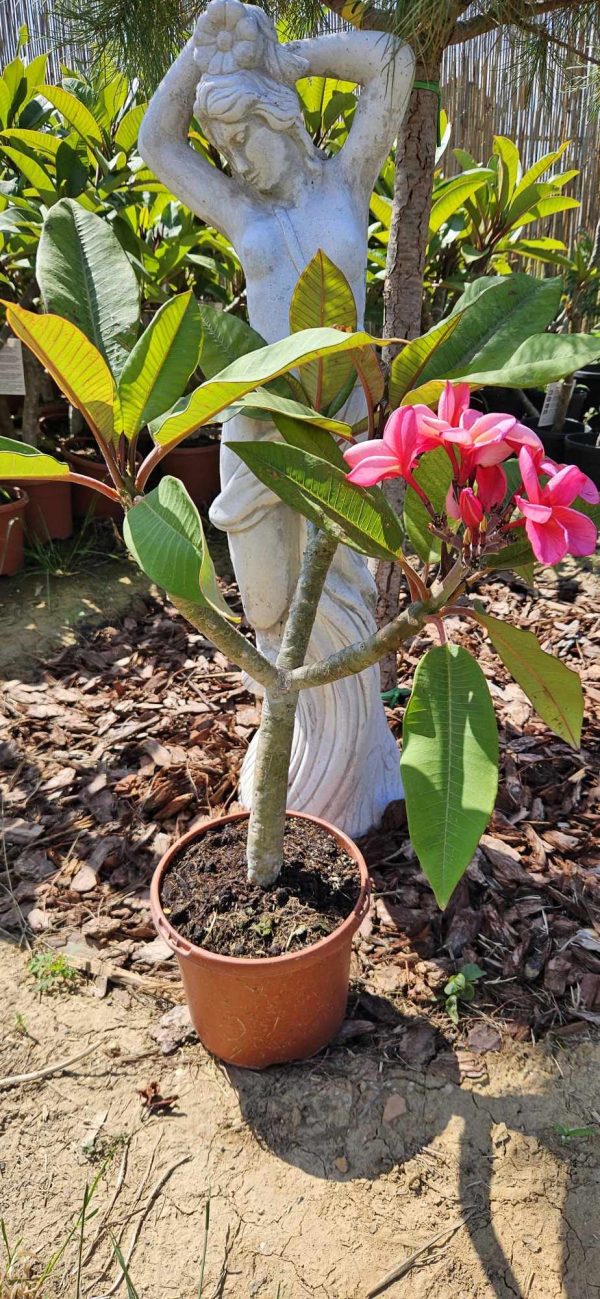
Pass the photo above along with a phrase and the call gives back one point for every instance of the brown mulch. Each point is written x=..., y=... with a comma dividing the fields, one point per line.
x=128, y=738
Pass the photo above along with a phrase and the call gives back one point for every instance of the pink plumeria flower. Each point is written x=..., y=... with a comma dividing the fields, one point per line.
x=492, y=485
x=393, y=456
x=553, y=529
x=587, y=489
x=482, y=439
x=467, y=508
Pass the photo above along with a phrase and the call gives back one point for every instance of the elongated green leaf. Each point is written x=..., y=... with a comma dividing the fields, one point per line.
x=541, y=359
x=381, y=207
x=323, y=297
x=74, y=112
x=510, y=165
x=85, y=276
x=19, y=461
x=408, y=366
x=517, y=556
x=157, y=370
x=270, y=403
x=434, y=475
x=249, y=372
x=33, y=172
x=363, y=519
x=500, y=316
x=78, y=368
x=454, y=193
x=554, y=689
x=41, y=141
x=449, y=764
x=317, y=441
x=127, y=131
x=224, y=338
x=163, y=531
x=543, y=164
x=547, y=207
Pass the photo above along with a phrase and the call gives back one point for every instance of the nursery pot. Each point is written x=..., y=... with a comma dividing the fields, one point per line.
x=591, y=378
x=85, y=500
x=198, y=469
x=581, y=450
x=49, y=515
x=12, y=514
x=259, y=1011
x=556, y=444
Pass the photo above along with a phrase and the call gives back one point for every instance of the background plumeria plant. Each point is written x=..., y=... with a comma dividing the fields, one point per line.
x=480, y=495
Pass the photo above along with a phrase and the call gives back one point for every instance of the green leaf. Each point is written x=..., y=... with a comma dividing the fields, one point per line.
x=271, y=403
x=85, y=276
x=543, y=164
x=361, y=518
x=249, y=372
x=316, y=440
x=33, y=172
x=157, y=370
x=554, y=689
x=74, y=112
x=454, y=193
x=449, y=764
x=323, y=297
x=495, y=324
x=18, y=461
x=434, y=475
x=408, y=366
x=127, y=131
x=74, y=363
x=541, y=359
x=224, y=338
x=163, y=531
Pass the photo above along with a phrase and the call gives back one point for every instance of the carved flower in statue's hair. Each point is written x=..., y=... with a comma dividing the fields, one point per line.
x=228, y=37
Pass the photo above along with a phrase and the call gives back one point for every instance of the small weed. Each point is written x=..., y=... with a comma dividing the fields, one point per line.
x=575, y=1134
x=461, y=987
x=264, y=927
x=52, y=972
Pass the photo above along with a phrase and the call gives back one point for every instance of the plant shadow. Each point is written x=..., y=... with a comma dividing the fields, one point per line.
x=364, y=1113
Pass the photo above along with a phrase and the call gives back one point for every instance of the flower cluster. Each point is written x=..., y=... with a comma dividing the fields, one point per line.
x=227, y=38
x=478, y=496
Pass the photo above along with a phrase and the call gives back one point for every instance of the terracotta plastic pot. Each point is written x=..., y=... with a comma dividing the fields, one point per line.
x=49, y=515
x=254, y=1012
x=198, y=469
x=86, y=501
x=12, y=514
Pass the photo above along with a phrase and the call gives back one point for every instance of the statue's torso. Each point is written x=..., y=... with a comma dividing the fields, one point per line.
x=276, y=243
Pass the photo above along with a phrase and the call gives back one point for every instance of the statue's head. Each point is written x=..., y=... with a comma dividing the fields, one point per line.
x=246, y=102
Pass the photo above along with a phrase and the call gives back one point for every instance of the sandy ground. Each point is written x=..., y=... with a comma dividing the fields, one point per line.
x=316, y=1189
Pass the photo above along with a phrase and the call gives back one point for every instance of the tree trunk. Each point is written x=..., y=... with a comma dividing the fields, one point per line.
x=403, y=291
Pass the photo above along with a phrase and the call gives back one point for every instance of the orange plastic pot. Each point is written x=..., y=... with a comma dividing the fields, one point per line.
x=198, y=469
x=254, y=1012
x=49, y=515
x=12, y=551
x=85, y=499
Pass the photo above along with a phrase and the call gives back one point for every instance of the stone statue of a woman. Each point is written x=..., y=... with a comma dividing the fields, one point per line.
x=284, y=201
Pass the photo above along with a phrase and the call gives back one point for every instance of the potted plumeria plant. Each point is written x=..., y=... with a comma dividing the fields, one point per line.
x=261, y=907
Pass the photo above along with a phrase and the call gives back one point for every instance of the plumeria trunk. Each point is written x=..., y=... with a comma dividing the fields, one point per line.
x=403, y=291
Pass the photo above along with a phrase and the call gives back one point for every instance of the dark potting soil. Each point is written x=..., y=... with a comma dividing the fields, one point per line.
x=208, y=900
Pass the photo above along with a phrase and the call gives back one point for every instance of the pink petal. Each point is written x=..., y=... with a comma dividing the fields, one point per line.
x=370, y=466
x=401, y=436
x=452, y=509
x=564, y=486
x=491, y=485
x=548, y=540
x=489, y=427
x=529, y=474
x=582, y=533
x=490, y=453
x=454, y=402
x=533, y=510
x=521, y=436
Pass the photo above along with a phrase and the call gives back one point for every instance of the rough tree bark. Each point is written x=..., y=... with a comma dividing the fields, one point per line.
x=403, y=291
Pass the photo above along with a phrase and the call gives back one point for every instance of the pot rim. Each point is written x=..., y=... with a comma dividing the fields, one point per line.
x=263, y=964
x=17, y=505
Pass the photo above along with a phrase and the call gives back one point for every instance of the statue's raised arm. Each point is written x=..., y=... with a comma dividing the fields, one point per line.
x=165, y=146
x=384, y=69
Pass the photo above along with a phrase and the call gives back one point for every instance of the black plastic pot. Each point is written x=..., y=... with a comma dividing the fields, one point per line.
x=591, y=378
x=581, y=450
x=555, y=444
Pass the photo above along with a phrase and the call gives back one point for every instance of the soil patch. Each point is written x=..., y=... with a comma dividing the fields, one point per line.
x=207, y=897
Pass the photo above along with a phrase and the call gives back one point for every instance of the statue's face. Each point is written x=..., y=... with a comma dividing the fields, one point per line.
x=259, y=155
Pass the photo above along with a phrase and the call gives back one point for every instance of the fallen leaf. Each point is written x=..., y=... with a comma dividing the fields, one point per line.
x=484, y=1037
x=394, y=1108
